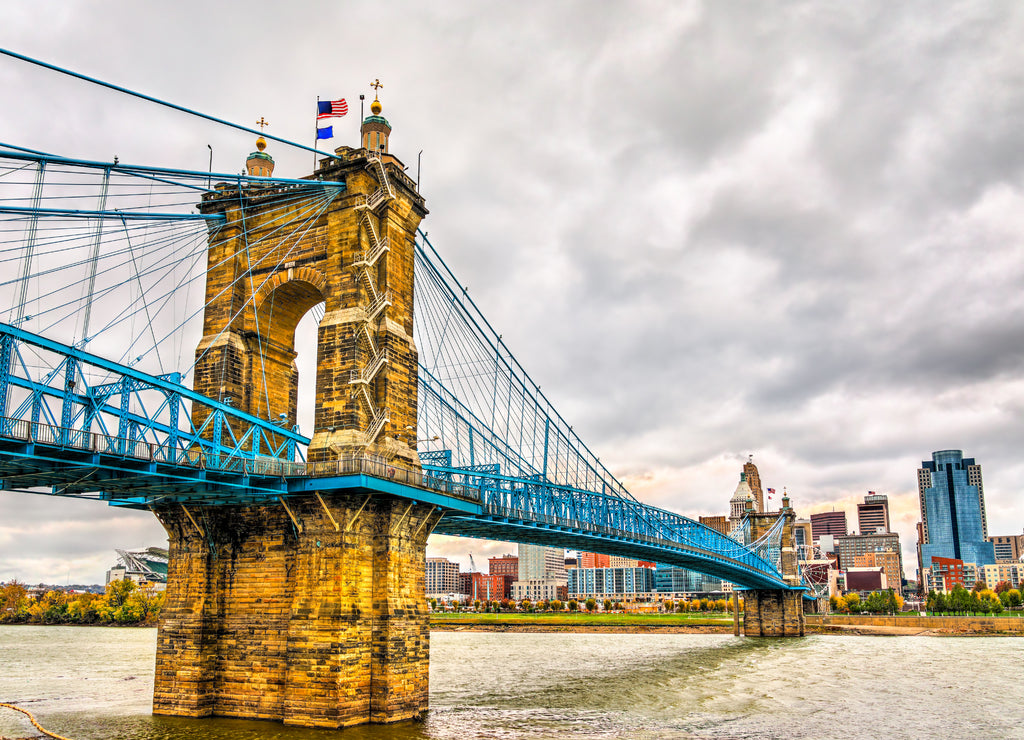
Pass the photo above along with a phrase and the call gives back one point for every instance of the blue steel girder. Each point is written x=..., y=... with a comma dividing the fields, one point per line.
x=128, y=470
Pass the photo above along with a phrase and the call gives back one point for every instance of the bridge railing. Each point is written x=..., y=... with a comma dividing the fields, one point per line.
x=376, y=466
x=48, y=435
x=191, y=456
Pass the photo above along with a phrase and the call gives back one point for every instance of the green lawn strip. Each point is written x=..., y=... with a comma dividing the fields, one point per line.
x=630, y=620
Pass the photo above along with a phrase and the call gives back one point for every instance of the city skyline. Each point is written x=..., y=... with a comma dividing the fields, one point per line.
x=811, y=253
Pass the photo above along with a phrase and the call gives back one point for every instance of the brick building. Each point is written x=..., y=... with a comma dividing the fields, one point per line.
x=506, y=565
x=593, y=560
x=890, y=563
x=486, y=586
x=718, y=523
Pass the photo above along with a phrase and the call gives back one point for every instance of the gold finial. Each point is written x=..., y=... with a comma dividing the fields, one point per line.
x=375, y=106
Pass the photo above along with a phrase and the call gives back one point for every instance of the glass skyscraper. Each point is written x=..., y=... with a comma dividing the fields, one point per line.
x=953, y=510
x=671, y=579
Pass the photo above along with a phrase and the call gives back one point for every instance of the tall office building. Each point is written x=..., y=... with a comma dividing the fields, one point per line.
x=802, y=537
x=442, y=577
x=952, y=502
x=754, y=480
x=885, y=545
x=828, y=522
x=873, y=514
x=537, y=562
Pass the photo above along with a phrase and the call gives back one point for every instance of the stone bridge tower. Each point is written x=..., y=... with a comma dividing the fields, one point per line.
x=308, y=609
x=356, y=257
x=776, y=613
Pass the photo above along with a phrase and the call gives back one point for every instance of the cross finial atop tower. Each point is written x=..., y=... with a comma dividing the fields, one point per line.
x=375, y=106
x=262, y=123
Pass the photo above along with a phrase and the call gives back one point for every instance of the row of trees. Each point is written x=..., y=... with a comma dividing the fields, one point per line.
x=123, y=603
x=572, y=605
x=981, y=601
x=700, y=605
x=877, y=602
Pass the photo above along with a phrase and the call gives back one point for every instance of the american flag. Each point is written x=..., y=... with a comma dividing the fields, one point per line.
x=331, y=108
x=771, y=490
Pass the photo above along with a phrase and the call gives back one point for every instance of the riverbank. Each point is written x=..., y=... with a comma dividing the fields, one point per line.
x=914, y=625
x=686, y=624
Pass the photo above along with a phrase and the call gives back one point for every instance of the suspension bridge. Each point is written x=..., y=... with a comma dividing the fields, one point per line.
x=147, y=360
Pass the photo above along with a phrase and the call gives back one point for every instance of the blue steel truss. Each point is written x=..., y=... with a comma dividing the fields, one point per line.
x=130, y=436
x=133, y=441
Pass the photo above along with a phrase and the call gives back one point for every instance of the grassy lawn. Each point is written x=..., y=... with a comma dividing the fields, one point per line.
x=581, y=618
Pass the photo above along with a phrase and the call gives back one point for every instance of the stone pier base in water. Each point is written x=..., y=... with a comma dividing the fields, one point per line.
x=777, y=613
x=313, y=615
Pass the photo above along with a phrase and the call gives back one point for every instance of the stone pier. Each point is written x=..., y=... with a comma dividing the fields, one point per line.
x=319, y=621
x=774, y=613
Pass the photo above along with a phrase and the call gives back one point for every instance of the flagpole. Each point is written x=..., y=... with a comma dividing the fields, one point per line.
x=316, y=131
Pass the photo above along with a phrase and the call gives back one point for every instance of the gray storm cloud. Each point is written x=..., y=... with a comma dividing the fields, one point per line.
x=706, y=229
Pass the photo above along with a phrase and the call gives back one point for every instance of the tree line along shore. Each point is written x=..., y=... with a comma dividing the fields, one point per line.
x=126, y=604
x=123, y=603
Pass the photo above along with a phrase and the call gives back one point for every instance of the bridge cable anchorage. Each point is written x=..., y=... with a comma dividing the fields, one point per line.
x=32, y=719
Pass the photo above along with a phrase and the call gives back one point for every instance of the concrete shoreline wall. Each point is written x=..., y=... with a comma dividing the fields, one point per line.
x=958, y=624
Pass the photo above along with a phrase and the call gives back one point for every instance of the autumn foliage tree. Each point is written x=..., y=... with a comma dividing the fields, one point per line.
x=123, y=603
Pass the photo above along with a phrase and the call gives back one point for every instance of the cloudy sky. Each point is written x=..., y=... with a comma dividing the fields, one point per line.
x=706, y=229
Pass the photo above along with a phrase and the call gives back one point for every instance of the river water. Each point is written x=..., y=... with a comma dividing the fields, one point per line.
x=91, y=683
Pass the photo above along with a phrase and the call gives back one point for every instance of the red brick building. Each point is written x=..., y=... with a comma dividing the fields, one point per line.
x=484, y=586
x=950, y=570
x=506, y=565
x=593, y=560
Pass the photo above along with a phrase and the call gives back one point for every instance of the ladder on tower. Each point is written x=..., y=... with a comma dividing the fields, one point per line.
x=362, y=379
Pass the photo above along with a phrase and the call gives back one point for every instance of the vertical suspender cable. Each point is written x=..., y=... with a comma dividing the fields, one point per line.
x=30, y=242
x=95, y=257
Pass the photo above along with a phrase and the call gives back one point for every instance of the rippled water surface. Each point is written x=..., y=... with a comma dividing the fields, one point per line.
x=96, y=683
